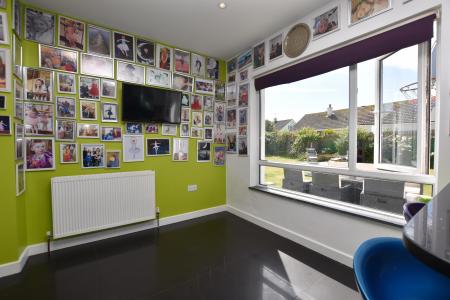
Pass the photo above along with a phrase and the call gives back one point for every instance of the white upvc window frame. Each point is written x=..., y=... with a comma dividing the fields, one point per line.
x=419, y=175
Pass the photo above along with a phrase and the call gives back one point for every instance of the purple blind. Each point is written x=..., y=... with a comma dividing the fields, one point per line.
x=401, y=37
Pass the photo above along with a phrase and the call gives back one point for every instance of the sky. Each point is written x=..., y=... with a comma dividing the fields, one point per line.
x=292, y=101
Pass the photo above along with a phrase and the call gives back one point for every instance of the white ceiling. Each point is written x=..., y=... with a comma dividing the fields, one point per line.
x=197, y=25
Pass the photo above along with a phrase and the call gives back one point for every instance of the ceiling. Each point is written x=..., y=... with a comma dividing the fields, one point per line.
x=196, y=25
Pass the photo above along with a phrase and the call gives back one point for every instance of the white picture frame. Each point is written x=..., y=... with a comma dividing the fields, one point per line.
x=133, y=148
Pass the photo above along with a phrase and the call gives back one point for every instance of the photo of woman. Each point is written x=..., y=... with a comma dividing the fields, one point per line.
x=326, y=22
x=182, y=61
x=99, y=41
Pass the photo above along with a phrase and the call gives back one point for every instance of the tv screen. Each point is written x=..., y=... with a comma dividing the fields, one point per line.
x=147, y=104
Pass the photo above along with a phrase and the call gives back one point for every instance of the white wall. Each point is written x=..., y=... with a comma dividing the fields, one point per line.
x=329, y=232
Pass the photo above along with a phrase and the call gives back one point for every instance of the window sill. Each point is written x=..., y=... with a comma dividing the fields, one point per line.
x=356, y=210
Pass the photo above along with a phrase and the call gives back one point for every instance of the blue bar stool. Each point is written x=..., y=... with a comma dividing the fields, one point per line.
x=384, y=270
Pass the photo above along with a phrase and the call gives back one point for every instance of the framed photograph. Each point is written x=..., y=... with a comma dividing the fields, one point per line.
x=159, y=77
x=18, y=91
x=232, y=65
x=185, y=114
x=99, y=41
x=113, y=159
x=242, y=146
x=19, y=131
x=198, y=65
x=151, y=128
x=109, y=88
x=123, y=46
x=204, y=86
x=259, y=55
x=243, y=75
x=182, y=61
x=96, y=65
x=364, y=9
x=39, y=26
x=169, y=129
x=65, y=130
x=186, y=100
x=180, y=149
x=219, y=156
x=243, y=94
x=5, y=65
x=66, y=83
x=276, y=47
x=145, y=52
x=68, y=153
x=38, y=119
x=164, y=57
x=38, y=85
x=133, y=128
x=40, y=154
x=231, y=77
x=243, y=116
x=208, y=103
x=184, y=130
x=88, y=110
x=208, y=118
x=19, y=148
x=2, y=102
x=71, y=33
x=231, y=142
x=158, y=147
x=197, y=133
x=66, y=108
x=5, y=125
x=133, y=148
x=93, y=156
x=111, y=134
x=209, y=134
x=18, y=110
x=183, y=83
x=17, y=56
x=219, y=134
x=197, y=102
x=17, y=18
x=130, y=72
x=326, y=23
x=219, y=113
x=212, y=68
x=203, y=151
x=231, y=118
x=20, y=179
x=243, y=130
x=219, y=90
x=245, y=59
x=89, y=88
x=58, y=59
x=231, y=95
x=110, y=112
x=197, y=119
x=88, y=131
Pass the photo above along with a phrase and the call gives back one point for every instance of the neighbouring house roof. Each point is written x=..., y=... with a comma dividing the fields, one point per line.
x=282, y=123
x=399, y=112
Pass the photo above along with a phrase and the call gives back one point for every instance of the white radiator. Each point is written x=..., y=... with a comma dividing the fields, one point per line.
x=89, y=203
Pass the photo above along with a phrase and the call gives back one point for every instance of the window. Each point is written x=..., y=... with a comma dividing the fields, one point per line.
x=361, y=135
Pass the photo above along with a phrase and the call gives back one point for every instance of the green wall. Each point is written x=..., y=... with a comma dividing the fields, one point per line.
x=25, y=220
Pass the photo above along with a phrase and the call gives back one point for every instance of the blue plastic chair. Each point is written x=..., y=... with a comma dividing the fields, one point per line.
x=384, y=269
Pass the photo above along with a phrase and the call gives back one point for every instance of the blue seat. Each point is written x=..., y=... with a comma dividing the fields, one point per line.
x=384, y=269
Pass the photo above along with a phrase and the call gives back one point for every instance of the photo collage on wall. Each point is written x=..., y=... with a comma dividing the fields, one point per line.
x=66, y=109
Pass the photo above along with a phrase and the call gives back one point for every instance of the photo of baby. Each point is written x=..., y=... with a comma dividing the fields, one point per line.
x=40, y=153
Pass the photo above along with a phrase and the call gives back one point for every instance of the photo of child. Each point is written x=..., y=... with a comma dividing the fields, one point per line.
x=164, y=58
x=71, y=33
x=243, y=95
x=111, y=134
x=65, y=130
x=151, y=128
x=259, y=55
x=180, y=150
x=39, y=86
x=123, y=46
x=39, y=26
x=38, y=119
x=109, y=112
x=65, y=107
x=88, y=110
x=99, y=40
x=219, y=155
x=68, y=153
x=113, y=159
x=182, y=61
x=219, y=113
x=58, y=59
x=145, y=52
x=5, y=125
x=183, y=83
x=231, y=143
x=197, y=102
x=66, y=83
x=93, y=155
x=231, y=118
x=89, y=88
x=219, y=134
x=40, y=153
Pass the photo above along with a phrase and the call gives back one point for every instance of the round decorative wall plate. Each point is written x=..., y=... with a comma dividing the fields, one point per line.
x=297, y=40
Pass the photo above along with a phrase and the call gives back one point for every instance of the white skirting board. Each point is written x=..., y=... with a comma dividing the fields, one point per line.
x=17, y=266
x=314, y=245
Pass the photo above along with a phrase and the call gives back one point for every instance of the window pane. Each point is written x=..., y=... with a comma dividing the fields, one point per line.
x=399, y=108
x=307, y=121
x=380, y=194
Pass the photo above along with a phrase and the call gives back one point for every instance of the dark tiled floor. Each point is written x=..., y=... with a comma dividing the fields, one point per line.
x=215, y=257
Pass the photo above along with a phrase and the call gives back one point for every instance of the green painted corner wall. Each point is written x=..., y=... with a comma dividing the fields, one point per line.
x=25, y=220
